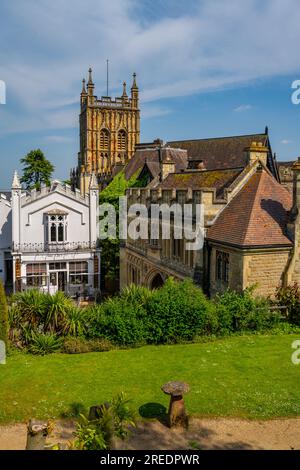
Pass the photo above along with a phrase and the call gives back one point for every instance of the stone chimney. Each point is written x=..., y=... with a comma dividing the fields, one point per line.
x=257, y=151
x=167, y=167
x=294, y=214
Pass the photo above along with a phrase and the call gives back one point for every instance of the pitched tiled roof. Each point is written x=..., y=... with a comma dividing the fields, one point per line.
x=222, y=152
x=153, y=168
x=256, y=216
x=178, y=156
x=218, y=179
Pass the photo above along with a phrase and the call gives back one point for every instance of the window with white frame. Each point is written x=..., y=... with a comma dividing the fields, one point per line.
x=57, y=228
x=78, y=272
x=36, y=274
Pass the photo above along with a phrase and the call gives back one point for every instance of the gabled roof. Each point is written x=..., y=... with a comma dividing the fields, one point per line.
x=223, y=152
x=256, y=216
x=155, y=155
x=199, y=179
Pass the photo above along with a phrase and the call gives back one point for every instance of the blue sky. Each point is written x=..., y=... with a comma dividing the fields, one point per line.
x=205, y=68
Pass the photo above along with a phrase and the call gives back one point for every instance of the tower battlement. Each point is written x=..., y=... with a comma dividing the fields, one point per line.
x=109, y=131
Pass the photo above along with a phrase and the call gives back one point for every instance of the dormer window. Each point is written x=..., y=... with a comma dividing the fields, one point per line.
x=57, y=227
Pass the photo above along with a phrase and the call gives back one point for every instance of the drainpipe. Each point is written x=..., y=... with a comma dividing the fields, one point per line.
x=293, y=226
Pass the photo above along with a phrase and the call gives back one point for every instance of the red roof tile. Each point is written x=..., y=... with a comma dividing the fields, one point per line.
x=256, y=216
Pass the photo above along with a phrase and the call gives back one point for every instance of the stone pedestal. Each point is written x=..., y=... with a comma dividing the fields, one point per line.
x=177, y=415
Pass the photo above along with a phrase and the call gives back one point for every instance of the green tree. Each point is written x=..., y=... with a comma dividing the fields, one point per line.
x=37, y=170
x=3, y=316
x=110, y=248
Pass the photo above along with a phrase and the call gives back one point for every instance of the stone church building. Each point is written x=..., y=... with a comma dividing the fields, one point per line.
x=109, y=133
x=251, y=220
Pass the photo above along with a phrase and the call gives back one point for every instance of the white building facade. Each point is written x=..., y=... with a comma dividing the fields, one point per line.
x=49, y=239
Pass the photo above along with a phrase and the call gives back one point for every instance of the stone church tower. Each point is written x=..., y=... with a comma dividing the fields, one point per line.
x=109, y=132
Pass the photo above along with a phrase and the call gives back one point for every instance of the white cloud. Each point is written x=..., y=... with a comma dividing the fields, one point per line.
x=58, y=139
x=243, y=107
x=48, y=46
x=286, y=142
x=150, y=111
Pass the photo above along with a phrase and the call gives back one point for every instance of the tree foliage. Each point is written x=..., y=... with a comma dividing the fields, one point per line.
x=110, y=247
x=37, y=170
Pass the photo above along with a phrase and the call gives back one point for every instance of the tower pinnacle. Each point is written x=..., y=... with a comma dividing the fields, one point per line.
x=134, y=85
x=90, y=82
x=124, y=95
x=16, y=181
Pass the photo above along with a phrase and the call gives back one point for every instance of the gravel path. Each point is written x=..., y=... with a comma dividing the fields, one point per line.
x=221, y=433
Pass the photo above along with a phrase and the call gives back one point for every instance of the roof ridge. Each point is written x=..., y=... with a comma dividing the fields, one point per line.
x=196, y=170
x=261, y=174
x=218, y=138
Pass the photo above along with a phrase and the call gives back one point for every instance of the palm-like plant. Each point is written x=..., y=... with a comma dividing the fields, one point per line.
x=74, y=321
x=56, y=307
x=15, y=323
x=31, y=305
x=124, y=415
x=41, y=343
x=136, y=294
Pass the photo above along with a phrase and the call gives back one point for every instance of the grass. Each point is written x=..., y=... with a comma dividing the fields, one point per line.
x=246, y=376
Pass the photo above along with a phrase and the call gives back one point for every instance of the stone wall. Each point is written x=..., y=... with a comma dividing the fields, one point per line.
x=266, y=270
x=235, y=280
x=136, y=268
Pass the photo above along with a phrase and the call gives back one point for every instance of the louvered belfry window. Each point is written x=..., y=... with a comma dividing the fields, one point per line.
x=122, y=141
x=104, y=140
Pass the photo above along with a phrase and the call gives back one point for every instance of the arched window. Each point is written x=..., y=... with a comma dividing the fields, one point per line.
x=60, y=232
x=104, y=139
x=53, y=232
x=122, y=140
x=57, y=228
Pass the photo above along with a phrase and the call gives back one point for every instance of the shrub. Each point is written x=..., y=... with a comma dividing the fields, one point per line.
x=137, y=295
x=120, y=322
x=73, y=322
x=3, y=316
x=179, y=312
x=242, y=311
x=31, y=304
x=55, y=308
x=44, y=343
x=89, y=435
x=72, y=345
x=113, y=421
x=290, y=297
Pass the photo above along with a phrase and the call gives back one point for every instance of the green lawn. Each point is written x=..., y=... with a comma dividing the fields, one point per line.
x=249, y=376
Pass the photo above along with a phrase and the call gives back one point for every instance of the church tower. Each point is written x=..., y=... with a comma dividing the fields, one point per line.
x=109, y=132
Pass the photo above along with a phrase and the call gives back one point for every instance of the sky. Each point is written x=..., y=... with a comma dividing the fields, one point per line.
x=204, y=69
